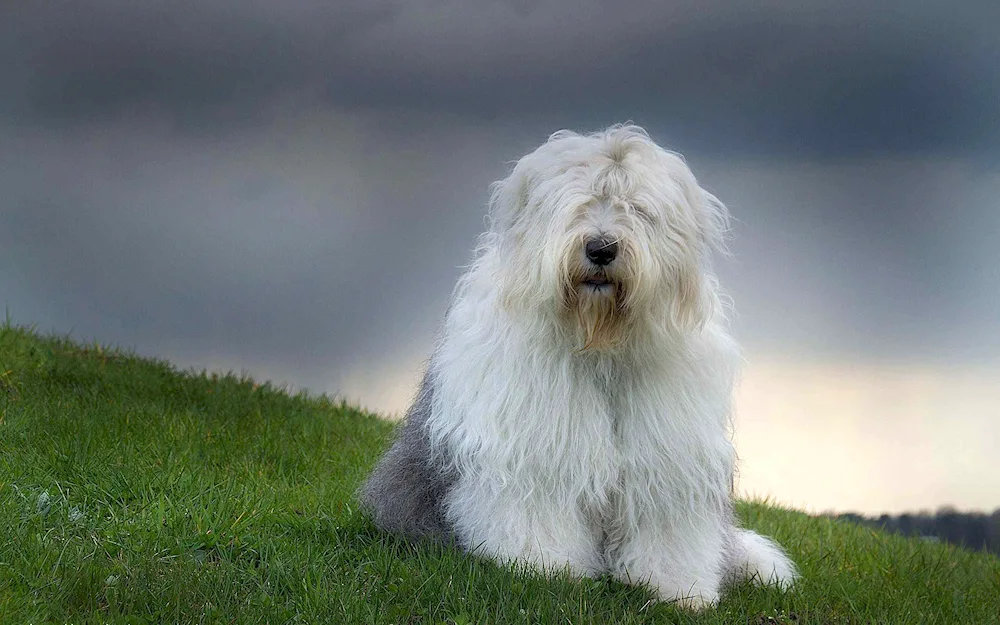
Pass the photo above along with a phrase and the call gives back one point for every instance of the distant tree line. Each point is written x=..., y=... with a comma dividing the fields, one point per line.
x=975, y=530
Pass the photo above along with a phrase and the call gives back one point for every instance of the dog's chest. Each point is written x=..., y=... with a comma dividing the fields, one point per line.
x=655, y=431
x=607, y=384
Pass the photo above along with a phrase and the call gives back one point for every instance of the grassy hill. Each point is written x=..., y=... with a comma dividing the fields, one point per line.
x=130, y=492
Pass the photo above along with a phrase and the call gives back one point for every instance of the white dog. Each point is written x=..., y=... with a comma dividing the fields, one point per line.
x=576, y=410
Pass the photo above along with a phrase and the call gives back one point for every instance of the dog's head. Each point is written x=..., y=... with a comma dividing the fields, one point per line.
x=607, y=231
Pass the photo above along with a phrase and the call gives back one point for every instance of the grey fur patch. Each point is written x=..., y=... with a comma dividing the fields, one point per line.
x=405, y=492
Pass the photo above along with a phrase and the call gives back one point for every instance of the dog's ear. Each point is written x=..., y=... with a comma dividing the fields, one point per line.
x=713, y=222
x=508, y=198
x=711, y=217
x=692, y=301
x=690, y=305
x=709, y=214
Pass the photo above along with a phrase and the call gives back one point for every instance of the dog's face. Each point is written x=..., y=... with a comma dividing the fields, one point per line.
x=607, y=231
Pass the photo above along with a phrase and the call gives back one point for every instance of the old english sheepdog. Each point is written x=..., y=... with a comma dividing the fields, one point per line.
x=576, y=411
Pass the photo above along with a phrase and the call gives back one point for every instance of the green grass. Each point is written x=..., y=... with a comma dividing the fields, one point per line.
x=130, y=492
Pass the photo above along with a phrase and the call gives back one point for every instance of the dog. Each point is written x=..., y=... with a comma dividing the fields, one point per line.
x=576, y=411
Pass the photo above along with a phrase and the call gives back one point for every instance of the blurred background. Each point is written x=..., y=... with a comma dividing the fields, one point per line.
x=290, y=189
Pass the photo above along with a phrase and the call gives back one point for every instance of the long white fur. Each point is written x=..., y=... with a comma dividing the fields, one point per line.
x=586, y=431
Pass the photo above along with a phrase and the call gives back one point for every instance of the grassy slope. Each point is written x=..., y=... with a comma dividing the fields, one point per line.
x=132, y=493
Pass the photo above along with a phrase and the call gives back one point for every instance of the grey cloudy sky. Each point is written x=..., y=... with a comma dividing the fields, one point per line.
x=297, y=146
x=292, y=187
x=815, y=77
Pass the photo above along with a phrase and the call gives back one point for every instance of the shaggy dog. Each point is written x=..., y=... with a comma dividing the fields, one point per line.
x=576, y=411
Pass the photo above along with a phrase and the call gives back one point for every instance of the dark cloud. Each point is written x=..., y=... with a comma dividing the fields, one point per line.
x=796, y=77
x=321, y=241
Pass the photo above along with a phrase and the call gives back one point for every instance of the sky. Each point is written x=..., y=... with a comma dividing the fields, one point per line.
x=291, y=189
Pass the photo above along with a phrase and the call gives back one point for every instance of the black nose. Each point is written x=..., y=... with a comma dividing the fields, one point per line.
x=601, y=251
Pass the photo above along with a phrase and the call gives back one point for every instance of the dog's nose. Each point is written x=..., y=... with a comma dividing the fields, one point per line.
x=601, y=251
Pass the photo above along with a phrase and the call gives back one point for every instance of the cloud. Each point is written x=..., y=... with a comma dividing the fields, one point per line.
x=325, y=240
x=792, y=77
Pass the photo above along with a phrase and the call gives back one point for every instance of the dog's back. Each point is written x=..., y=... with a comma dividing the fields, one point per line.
x=405, y=491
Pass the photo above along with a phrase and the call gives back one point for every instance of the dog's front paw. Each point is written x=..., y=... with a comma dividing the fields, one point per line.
x=695, y=603
x=695, y=597
x=689, y=590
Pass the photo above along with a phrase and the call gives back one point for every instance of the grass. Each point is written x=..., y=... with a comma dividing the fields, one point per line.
x=130, y=492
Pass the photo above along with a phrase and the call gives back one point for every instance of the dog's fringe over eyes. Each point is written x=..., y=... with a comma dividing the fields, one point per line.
x=576, y=410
